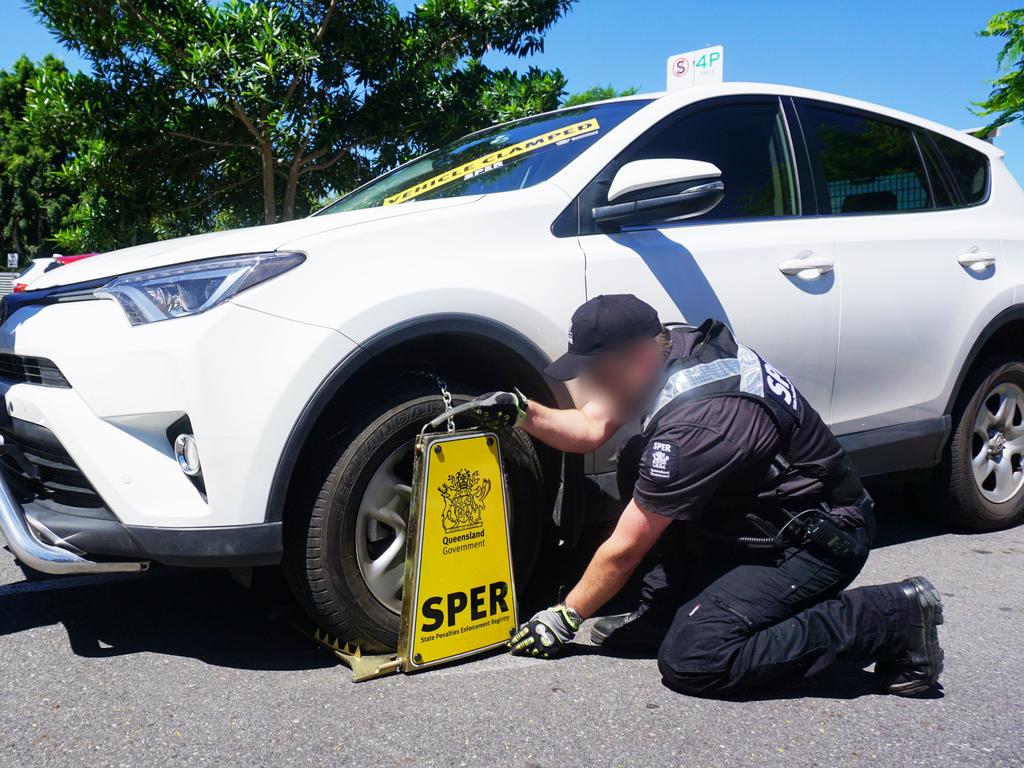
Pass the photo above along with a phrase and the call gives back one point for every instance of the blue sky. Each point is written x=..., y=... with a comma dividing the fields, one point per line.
x=922, y=58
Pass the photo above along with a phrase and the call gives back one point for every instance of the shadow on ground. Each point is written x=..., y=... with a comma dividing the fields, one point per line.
x=202, y=615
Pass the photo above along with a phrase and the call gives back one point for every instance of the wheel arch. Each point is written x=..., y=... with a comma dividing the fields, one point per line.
x=461, y=345
x=1004, y=333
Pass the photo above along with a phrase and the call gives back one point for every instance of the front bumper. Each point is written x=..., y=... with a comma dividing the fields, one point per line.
x=241, y=377
x=41, y=556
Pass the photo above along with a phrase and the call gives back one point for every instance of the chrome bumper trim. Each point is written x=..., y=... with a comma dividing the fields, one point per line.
x=42, y=557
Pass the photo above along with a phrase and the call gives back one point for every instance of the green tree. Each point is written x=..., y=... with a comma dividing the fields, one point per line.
x=1006, y=101
x=203, y=113
x=597, y=93
x=33, y=199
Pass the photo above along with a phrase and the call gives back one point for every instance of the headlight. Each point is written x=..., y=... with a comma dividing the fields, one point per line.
x=188, y=289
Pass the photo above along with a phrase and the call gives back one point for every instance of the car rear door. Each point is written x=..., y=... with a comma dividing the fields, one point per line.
x=919, y=268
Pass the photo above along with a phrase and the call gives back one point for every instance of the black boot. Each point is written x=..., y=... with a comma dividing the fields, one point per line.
x=918, y=669
x=635, y=632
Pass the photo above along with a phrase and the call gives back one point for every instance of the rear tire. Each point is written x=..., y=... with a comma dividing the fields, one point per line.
x=983, y=476
x=345, y=555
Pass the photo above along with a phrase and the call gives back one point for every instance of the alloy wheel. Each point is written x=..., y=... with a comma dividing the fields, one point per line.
x=380, y=528
x=997, y=445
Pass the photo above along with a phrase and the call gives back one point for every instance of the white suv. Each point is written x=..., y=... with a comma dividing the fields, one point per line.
x=249, y=397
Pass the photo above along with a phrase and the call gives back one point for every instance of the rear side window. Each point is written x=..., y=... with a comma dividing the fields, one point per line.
x=968, y=167
x=867, y=165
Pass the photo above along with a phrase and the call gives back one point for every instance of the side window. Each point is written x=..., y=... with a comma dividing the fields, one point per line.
x=868, y=166
x=748, y=142
x=968, y=166
x=944, y=196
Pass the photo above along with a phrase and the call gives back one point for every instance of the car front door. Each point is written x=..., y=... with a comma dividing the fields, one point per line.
x=752, y=261
x=920, y=267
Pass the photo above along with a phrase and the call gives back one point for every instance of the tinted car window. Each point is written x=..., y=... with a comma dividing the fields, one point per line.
x=968, y=166
x=510, y=156
x=748, y=143
x=869, y=166
x=944, y=197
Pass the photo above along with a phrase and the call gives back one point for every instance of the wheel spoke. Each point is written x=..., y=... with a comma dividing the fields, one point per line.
x=388, y=516
x=396, y=582
x=980, y=460
x=982, y=470
x=403, y=490
x=387, y=561
x=1004, y=476
x=1006, y=411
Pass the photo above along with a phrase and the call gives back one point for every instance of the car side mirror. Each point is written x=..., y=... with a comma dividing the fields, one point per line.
x=663, y=190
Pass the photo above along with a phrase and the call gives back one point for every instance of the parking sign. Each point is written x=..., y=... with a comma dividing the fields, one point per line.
x=12, y=261
x=701, y=67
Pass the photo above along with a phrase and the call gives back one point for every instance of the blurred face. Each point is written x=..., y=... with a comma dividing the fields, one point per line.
x=629, y=376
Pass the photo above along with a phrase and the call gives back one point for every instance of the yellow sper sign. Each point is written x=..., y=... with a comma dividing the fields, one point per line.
x=460, y=568
x=495, y=160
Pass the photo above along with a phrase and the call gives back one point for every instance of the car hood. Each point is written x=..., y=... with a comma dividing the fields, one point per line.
x=236, y=241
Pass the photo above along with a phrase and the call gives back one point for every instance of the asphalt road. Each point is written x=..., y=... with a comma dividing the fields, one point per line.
x=191, y=669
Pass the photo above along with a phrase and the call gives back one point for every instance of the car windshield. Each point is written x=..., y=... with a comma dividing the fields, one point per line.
x=510, y=156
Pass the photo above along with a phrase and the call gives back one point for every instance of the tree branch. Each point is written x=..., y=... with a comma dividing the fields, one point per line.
x=215, y=193
x=317, y=167
x=320, y=32
x=211, y=142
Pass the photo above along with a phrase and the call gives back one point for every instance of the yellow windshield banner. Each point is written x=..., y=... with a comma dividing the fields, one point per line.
x=459, y=594
x=495, y=159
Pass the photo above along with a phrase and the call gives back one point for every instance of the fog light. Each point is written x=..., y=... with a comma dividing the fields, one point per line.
x=186, y=451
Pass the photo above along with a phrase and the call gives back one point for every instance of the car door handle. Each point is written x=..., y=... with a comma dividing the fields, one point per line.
x=976, y=259
x=809, y=267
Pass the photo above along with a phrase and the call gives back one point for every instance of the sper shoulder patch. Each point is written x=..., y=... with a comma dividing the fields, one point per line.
x=662, y=459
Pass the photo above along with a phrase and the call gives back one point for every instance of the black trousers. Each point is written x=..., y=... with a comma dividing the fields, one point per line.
x=739, y=620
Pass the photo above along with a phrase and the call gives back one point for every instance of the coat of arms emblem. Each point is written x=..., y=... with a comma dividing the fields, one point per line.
x=463, y=495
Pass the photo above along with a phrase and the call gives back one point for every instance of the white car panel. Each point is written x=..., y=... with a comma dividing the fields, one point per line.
x=731, y=271
x=907, y=304
x=243, y=378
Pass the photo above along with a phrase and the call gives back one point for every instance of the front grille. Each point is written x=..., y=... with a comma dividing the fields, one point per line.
x=39, y=468
x=31, y=370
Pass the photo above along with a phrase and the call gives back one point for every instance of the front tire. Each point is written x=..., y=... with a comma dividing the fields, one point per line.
x=984, y=470
x=345, y=558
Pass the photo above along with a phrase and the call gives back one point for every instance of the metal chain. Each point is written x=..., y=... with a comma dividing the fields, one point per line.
x=446, y=396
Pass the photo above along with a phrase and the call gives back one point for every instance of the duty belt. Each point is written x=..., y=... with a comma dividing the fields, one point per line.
x=812, y=526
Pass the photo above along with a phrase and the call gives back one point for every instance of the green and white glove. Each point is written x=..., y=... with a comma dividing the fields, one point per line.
x=498, y=410
x=546, y=633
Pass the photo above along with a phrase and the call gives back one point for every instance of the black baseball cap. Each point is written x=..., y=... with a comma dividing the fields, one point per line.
x=602, y=324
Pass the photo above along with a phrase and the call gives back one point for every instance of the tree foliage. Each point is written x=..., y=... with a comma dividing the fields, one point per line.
x=597, y=93
x=199, y=114
x=33, y=199
x=1005, y=103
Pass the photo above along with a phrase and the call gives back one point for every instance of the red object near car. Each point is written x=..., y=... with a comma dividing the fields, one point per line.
x=72, y=259
x=37, y=267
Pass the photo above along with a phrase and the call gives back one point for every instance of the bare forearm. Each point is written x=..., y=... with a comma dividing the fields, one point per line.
x=569, y=430
x=616, y=559
x=608, y=572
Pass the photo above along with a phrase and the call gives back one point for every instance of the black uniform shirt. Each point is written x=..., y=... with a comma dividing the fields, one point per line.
x=699, y=450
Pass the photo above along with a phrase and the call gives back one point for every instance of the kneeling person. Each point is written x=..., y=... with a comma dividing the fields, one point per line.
x=732, y=453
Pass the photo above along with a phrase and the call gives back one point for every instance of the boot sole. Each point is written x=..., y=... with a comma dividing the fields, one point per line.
x=931, y=609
